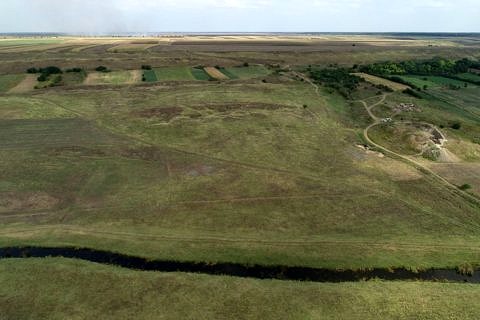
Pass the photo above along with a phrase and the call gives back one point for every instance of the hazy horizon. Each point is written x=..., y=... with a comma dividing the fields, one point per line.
x=239, y=16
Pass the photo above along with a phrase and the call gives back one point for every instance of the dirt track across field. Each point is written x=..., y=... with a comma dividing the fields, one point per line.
x=27, y=84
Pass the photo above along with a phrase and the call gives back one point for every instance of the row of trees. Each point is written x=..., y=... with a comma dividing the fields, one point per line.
x=437, y=66
x=46, y=72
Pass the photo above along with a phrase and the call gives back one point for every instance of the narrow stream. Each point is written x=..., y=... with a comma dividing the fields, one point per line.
x=238, y=270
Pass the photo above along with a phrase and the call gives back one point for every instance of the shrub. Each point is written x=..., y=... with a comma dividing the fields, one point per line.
x=102, y=69
x=466, y=269
x=32, y=70
x=456, y=126
x=43, y=77
x=56, y=81
x=74, y=70
x=146, y=67
x=465, y=187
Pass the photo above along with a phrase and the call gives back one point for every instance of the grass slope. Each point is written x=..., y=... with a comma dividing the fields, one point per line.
x=60, y=288
x=237, y=173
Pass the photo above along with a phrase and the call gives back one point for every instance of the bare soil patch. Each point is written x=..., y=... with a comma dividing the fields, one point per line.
x=239, y=106
x=381, y=81
x=447, y=157
x=12, y=201
x=27, y=84
x=165, y=113
x=136, y=76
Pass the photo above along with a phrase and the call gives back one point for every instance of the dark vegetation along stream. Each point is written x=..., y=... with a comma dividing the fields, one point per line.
x=239, y=270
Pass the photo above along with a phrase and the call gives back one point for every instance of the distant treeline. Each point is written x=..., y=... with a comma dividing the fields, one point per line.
x=437, y=66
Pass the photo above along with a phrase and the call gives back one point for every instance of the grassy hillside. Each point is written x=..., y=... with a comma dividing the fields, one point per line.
x=205, y=169
x=70, y=289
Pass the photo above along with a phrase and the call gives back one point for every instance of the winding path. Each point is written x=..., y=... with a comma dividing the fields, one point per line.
x=417, y=165
x=408, y=160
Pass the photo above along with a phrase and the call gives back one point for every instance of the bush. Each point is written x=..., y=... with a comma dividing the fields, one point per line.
x=456, y=126
x=102, y=69
x=42, y=78
x=74, y=70
x=32, y=70
x=465, y=187
x=56, y=81
x=466, y=269
x=246, y=64
x=146, y=67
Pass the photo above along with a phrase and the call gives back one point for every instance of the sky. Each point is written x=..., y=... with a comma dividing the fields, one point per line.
x=117, y=16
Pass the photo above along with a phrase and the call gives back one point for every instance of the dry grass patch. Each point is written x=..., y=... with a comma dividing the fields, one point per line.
x=381, y=81
x=11, y=202
x=460, y=174
x=166, y=113
x=215, y=73
x=27, y=84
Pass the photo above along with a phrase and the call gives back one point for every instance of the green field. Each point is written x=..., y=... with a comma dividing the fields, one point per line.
x=73, y=289
x=229, y=74
x=174, y=74
x=200, y=74
x=8, y=82
x=253, y=71
x=469, y=76
x=150, y=76
x=433, y=81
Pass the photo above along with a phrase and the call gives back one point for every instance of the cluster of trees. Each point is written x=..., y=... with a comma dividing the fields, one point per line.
x=437, y=66
x=339, y=79
x=45, y=72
